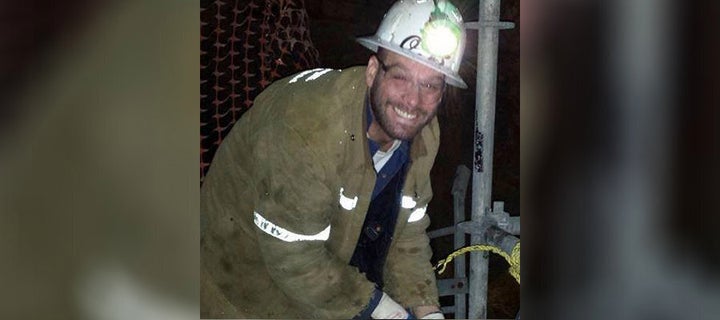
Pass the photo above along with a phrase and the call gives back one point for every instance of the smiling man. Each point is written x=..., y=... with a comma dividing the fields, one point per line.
x=315, y=204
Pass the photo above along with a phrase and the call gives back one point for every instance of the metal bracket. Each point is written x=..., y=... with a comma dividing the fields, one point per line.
x=490, y=234
x=497, y=228
x=503, y=219
x=501, y=25
x=497, y=217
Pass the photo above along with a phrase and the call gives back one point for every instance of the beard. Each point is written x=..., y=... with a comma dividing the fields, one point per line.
x=383, y=106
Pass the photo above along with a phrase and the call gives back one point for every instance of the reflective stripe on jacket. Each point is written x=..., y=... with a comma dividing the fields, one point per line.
x=284, y=201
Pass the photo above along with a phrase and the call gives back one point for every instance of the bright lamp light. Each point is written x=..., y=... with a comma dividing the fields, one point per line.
x=440, y=38
x=441, y=35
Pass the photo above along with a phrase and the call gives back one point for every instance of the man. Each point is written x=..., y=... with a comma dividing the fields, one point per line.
x=315, y=204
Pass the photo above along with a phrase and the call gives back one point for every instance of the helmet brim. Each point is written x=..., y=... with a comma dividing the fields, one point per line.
x=373, y=42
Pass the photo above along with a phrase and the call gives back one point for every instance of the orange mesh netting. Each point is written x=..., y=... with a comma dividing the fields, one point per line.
x=244, y=46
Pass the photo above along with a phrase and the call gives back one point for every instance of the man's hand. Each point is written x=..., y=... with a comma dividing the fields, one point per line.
x=387, y=308
x=427, y=312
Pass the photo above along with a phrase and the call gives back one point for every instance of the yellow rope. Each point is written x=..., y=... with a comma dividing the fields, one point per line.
x=513, y=259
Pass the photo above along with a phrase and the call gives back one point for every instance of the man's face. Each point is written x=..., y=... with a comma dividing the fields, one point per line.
x=404, y=94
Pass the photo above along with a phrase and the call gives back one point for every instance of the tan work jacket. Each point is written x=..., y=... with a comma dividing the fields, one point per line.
x=284, y=201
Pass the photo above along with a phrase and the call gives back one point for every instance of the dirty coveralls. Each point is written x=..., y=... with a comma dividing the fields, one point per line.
x=285, y=199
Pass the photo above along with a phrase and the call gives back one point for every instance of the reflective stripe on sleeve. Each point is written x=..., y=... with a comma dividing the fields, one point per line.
x=304, y=73
x=408, y=202
x=417, y=214
x=346, y=202
x=317, y=75
x=285, y=235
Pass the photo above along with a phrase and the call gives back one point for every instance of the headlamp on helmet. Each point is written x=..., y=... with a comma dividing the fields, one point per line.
x=441, y=35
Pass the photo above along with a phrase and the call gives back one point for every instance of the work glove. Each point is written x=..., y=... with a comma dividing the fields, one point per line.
x=387, y=308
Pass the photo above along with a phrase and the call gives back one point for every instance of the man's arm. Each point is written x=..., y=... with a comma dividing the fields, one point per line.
x=409, y=277
x=292, y=219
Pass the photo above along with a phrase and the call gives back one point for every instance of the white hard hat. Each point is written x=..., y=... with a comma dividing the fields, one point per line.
x=431, y=34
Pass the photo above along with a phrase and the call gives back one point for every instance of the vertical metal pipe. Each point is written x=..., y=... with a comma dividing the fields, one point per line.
x=459, y=191
x=489, y=11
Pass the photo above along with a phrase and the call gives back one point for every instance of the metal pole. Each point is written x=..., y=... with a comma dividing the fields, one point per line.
x=459, y=191
x=489, y=11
